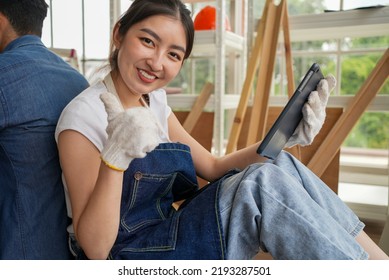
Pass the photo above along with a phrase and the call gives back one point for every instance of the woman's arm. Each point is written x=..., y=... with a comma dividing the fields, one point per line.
x=95, y=194
x=207, y=166
x=95, y=179
x=211, y=168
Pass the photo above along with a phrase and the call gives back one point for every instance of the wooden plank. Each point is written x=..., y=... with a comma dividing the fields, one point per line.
x=265, y=73
x=352, y=113
x=198, y=107
x=288, y=53
x=252, y=66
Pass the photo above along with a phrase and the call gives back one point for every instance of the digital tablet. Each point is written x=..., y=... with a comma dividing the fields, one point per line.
x=291, y=115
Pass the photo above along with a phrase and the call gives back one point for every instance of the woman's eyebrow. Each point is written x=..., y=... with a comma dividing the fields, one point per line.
x=155, y=35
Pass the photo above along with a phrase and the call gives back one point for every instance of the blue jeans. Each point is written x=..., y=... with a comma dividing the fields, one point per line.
x=35, y=86
x=283, y=208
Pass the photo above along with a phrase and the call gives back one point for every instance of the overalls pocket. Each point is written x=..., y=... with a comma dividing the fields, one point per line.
x=148, y=219
x=149, y=202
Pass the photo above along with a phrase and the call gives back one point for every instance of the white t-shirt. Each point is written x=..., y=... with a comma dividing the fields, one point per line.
x=86, y=114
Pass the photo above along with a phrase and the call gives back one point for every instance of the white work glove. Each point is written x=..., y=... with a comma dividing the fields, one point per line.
x=131, y=133
x=314, y=114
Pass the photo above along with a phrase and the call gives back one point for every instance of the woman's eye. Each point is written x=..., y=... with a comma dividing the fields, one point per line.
x=147, y=41
x=175, y=56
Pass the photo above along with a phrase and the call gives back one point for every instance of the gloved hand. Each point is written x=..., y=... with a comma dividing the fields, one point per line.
x=131, y=133
x=314, y=114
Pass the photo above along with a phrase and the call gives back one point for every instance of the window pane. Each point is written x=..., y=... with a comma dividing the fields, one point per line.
x=195, y=72
x=355, y=70
x=371, y=131
x=301, y=65
x=309, y=46
x=298, y=7
x=332, y=5
x=97, y=33
x=381, y=42
x=124, y=4
x=46, y=31
x=67, y=24
x=352, y=4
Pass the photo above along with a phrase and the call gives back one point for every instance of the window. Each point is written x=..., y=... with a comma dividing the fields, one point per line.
x=83, y=25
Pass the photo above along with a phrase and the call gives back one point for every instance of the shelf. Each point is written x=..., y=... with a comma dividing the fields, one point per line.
x=331, y=25
x=184, y=102
x=205, y=43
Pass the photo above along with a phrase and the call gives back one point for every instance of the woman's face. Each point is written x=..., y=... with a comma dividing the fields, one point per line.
x=150, y=54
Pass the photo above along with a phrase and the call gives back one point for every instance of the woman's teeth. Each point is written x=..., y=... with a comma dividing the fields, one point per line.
x=146, y=75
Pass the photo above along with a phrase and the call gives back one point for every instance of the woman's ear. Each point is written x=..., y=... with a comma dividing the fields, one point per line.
x=117, y=38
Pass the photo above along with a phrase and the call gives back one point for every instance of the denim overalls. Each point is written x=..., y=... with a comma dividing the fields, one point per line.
x=150, y=228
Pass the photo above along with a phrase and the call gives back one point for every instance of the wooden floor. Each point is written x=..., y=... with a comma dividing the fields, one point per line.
x=373, y=229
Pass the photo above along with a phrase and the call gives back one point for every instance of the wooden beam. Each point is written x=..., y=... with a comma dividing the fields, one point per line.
x=265, y=73
x=248, y=84
x=288, y=53
x=352, y=113
x=198, y=107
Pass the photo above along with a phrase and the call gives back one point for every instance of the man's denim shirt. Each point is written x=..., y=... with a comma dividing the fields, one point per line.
x=35, y=86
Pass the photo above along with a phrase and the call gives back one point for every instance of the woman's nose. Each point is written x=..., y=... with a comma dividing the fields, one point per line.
x=155, y=63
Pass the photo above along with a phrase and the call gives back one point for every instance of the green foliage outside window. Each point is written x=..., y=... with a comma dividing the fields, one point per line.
x=372, y=129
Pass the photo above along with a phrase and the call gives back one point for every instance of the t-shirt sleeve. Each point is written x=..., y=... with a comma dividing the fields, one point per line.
x=87, y=116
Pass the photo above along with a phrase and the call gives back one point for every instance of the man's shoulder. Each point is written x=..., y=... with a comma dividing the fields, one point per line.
x=29, y=51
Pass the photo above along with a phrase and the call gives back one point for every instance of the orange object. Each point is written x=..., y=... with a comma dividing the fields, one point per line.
x=206, y=19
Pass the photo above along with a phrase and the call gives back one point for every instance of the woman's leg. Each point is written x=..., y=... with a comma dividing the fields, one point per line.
x=374, y=251
x=285, y=209
x=362, y=238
